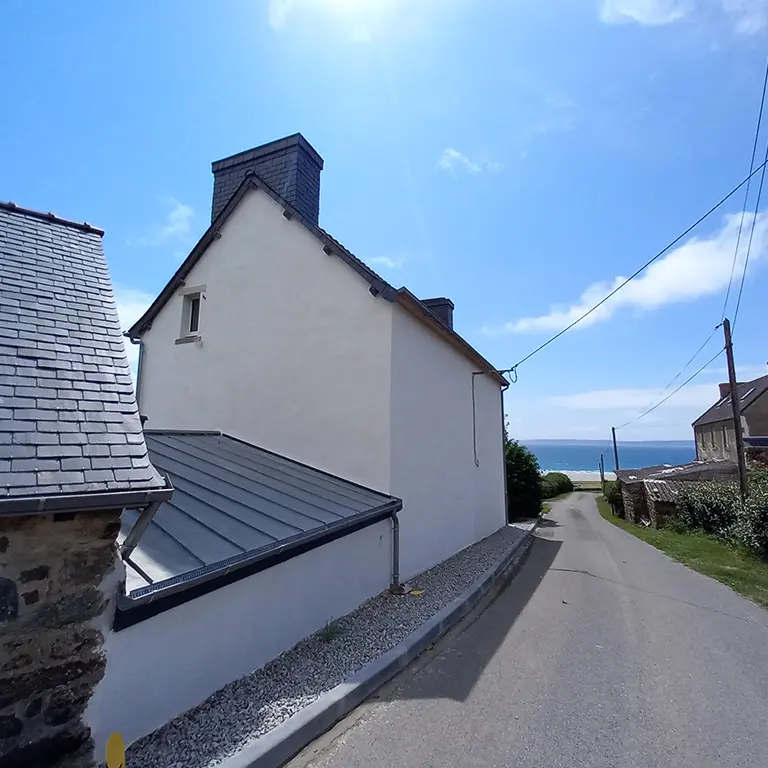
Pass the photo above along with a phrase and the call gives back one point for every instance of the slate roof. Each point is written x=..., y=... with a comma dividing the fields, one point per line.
x=68, y=417
x=695, y=470
x=233, y=504
x=748, y=392
x=378, y=285
x=665, y=491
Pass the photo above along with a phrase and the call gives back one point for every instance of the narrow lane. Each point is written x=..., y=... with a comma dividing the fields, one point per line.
x=601, y=652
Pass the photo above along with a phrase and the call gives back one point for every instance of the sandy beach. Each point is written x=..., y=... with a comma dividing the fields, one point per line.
x=581, y=477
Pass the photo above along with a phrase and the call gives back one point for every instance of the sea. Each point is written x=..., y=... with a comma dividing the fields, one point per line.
x=584, y=455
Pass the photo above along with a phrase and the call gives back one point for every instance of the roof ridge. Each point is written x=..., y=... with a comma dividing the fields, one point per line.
x=11, y=207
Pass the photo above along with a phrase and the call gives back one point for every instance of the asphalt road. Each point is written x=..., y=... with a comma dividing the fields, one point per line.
x=601, y=652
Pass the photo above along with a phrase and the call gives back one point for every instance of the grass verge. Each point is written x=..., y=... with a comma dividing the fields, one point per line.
x=738, y=569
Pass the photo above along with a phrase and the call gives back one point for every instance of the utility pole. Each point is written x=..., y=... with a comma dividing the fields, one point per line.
x=736, y=409
x=615, y=449
x=602, y=473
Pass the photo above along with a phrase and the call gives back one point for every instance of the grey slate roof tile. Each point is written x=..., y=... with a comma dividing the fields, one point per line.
x=62, y=363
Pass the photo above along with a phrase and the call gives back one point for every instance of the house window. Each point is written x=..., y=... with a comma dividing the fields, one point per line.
x=191, y=310
x=725, y=437
x=712, y=438
x=194, y=313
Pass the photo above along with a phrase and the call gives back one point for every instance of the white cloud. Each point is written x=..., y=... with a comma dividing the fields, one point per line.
x=278, y=12
x=749, y=16
x=175, y=228
x=177, y=222
x=131, y=305
x=389, y=262
x=647, y=12
x=699, y=267
x=694, y=395
x=452, y=160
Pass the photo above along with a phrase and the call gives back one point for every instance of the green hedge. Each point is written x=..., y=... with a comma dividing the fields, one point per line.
x=717, y=508
x=523, y=482
x=555, y=483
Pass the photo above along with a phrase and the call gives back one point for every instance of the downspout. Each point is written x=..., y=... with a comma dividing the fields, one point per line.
x=138, y=367
x=396, y=588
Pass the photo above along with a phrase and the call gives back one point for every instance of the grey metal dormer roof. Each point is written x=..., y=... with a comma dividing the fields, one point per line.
x=68, y=417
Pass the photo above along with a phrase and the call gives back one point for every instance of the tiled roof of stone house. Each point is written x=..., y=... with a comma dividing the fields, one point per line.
x=69, y=423
x=748, y=393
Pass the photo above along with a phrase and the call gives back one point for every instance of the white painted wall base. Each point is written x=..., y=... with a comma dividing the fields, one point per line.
x=168, y=664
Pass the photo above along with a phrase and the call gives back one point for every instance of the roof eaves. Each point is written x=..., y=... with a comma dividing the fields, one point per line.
x=51, y=217
x=379, y=286
x=97, y=501
x=416, y=307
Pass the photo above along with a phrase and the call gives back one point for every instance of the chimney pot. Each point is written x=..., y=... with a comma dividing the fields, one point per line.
x=290, y=167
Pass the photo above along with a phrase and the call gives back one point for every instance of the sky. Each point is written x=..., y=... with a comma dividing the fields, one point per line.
x=517, y=156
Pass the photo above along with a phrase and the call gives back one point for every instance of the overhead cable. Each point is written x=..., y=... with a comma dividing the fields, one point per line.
x=638, y=271
x=746, y=193
x=674, y=392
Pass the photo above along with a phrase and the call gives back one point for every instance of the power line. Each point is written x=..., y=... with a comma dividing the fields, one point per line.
x=679, y=373
x=746, y=193
x=751, y=235
x=641, y=269
x=674, y=392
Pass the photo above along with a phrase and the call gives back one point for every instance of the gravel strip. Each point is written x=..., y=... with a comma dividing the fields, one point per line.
x=249, y=707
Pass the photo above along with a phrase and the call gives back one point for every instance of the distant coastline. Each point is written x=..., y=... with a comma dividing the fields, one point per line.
x=581, y=458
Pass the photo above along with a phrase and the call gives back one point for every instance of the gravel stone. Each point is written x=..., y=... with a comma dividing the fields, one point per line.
x=247, y=708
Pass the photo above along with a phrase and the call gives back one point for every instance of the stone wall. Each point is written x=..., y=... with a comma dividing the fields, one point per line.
x=635, y=505
x=757, y=457
x=59, y=576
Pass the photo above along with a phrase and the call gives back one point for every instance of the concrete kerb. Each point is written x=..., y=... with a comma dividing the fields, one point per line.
x=279, y=745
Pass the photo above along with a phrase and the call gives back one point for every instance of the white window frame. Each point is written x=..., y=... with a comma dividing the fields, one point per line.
x=190, y=296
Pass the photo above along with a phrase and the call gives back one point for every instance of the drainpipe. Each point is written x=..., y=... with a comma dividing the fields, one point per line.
x=396, y=588
x=138, y=367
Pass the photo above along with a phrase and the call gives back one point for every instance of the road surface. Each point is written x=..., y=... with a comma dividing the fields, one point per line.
x=601, y=652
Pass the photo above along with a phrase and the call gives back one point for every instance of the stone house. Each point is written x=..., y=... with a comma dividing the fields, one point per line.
x=72, y=457
x=713, y=430
x=649, y=493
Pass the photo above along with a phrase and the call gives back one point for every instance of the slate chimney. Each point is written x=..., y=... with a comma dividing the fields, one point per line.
x=725, y=389
x=441, y=307
x=290, y=166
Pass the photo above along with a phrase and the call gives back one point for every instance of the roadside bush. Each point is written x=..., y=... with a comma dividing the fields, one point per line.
x=711, y=507
x=750, y=528
x=523, y=482
x=555, y=483
x=613, y=497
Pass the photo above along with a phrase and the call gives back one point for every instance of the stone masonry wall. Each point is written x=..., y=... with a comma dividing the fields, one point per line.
x=59, y=576
x=757, y=457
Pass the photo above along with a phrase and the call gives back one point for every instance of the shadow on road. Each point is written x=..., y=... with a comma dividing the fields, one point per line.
x=459, y=660
x=547, y=522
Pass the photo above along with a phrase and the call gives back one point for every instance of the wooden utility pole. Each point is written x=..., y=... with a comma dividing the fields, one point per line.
x=602, y=473
x=736, y=409
x=615, y=449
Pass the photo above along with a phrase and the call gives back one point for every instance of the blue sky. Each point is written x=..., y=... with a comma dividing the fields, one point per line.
x=517, y=156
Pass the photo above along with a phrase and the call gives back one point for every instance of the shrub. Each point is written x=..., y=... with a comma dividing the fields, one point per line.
x=614, y=498
x=555, y=483
x=523, y=482
x=750, y=528
x=711, y=507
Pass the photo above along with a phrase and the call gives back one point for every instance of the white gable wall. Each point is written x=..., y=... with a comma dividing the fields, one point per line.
x=448, y=501
x=295, y=352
